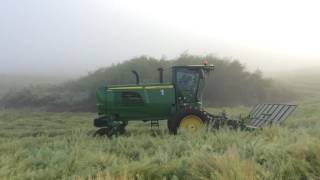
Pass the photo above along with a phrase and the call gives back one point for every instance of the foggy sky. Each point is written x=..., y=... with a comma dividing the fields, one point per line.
x=77, y=36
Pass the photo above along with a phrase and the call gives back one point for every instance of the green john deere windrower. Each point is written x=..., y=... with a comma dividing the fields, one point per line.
x=179, y=102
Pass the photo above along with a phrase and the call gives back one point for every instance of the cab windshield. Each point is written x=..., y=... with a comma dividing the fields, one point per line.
x=187, y=83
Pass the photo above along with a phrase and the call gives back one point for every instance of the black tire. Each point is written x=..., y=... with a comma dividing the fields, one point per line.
x=174, y=122
x=122, y=129
x=109, y=132
x=103, y=132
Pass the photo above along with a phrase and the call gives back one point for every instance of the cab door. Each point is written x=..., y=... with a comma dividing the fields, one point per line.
x=187, y=84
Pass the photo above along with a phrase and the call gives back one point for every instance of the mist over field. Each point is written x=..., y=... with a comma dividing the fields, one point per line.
x=72, y=38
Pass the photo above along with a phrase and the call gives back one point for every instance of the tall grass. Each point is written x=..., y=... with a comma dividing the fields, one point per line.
x=37, y=145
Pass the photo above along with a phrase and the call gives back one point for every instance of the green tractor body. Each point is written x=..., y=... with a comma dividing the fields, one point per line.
x=136, y=102
x=179, y=102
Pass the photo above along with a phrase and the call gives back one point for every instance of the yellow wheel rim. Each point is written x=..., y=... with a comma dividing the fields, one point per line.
x=191, y=122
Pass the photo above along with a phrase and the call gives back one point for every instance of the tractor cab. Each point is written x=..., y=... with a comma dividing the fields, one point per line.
x=189, y=83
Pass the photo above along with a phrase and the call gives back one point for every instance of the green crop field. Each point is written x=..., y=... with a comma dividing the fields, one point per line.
x=39, y=145
x=43, y=145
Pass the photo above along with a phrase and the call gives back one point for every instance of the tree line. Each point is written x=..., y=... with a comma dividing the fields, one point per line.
x=229, y=85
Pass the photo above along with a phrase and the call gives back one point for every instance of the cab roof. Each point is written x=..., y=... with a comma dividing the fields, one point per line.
x=208, y=67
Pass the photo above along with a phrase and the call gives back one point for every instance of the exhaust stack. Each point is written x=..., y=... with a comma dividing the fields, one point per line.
x=160, y=75
x=137, y=77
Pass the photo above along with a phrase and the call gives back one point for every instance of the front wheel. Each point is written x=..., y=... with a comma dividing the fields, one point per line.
x=189, y=119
